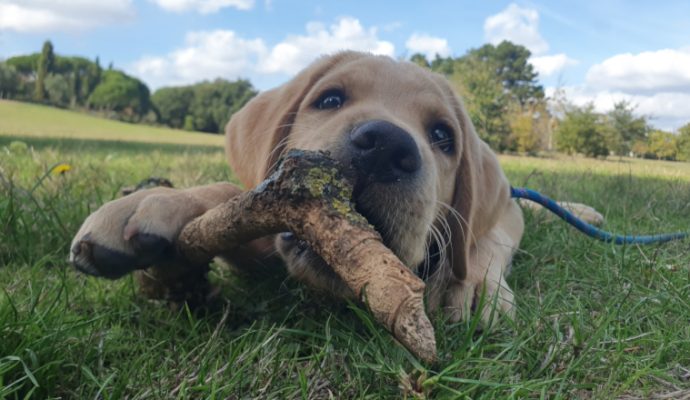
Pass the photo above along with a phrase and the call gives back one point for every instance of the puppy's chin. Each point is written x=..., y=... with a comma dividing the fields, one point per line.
x=401, y=216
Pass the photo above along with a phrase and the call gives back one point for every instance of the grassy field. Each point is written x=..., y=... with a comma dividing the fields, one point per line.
x=594, y=320
x=33, y=120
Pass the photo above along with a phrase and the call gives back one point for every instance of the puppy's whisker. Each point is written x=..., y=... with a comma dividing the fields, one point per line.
x=452, y=211
x=443, y=222
x=436, y=241
x=259, y=136
x=280, y=147
x=427, y=256
x=445, y=240
x=439, y=278
x=459, y=219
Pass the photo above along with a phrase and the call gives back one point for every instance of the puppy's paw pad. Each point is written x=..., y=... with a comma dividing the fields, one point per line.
x=94, y=259
x=151, y=247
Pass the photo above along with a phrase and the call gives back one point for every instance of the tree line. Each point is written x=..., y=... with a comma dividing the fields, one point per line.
x=510, y=111
x=499, y=86
x=205, y=106
x=80, y=83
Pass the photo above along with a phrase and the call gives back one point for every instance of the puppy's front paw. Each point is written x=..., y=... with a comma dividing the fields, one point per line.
x=585, y=213
x=133, y=232
x=493, y=299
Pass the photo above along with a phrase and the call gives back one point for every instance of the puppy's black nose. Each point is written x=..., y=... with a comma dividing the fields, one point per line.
x=384, y=151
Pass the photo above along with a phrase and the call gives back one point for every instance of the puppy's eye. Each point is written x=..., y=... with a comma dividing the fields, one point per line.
x=441, y=136
x=331, y=99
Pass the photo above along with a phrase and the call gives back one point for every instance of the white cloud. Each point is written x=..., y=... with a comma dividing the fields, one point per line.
x=206, y=55
x=657, y=82
x=203, y=6
x=430, y=46
x=550, y=65
x=521, y=26
x=667, y=110
x=31, y=16
x=666, y=70
x=297, y=51
x=518, y=25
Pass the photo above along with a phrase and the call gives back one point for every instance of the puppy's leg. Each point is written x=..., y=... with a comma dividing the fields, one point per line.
x=490, y=292
x=485, y=282
x=582, y=211
x=138, y=232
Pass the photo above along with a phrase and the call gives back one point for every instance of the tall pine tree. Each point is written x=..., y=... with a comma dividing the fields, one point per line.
x=45, y=66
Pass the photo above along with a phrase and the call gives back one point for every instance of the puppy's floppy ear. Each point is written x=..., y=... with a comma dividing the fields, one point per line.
x=256, y=135
x=481, y=192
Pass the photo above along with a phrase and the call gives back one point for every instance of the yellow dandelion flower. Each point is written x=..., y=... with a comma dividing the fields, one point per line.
x=60, y=169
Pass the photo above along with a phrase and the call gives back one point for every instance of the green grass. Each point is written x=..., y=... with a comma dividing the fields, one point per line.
x=594, y=320
x=33, y=120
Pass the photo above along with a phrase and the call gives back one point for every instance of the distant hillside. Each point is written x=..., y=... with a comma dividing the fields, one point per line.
x=25, y=119
x=79, y=83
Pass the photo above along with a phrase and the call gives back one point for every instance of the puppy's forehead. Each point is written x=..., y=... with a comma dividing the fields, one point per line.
x=385, y=75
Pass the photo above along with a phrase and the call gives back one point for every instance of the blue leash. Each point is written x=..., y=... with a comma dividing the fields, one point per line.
x=588, y=229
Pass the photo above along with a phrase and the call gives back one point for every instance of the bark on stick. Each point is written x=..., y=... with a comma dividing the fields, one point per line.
x=310, y=196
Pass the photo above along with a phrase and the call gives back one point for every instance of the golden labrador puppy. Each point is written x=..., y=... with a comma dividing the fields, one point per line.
x=429, y=185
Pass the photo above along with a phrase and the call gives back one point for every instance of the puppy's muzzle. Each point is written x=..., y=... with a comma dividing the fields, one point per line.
x=383, y=152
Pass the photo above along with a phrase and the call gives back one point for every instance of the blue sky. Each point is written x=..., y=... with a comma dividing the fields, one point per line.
x=599, y=51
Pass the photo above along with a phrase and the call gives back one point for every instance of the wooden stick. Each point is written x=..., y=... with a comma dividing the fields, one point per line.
x=309, y=195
